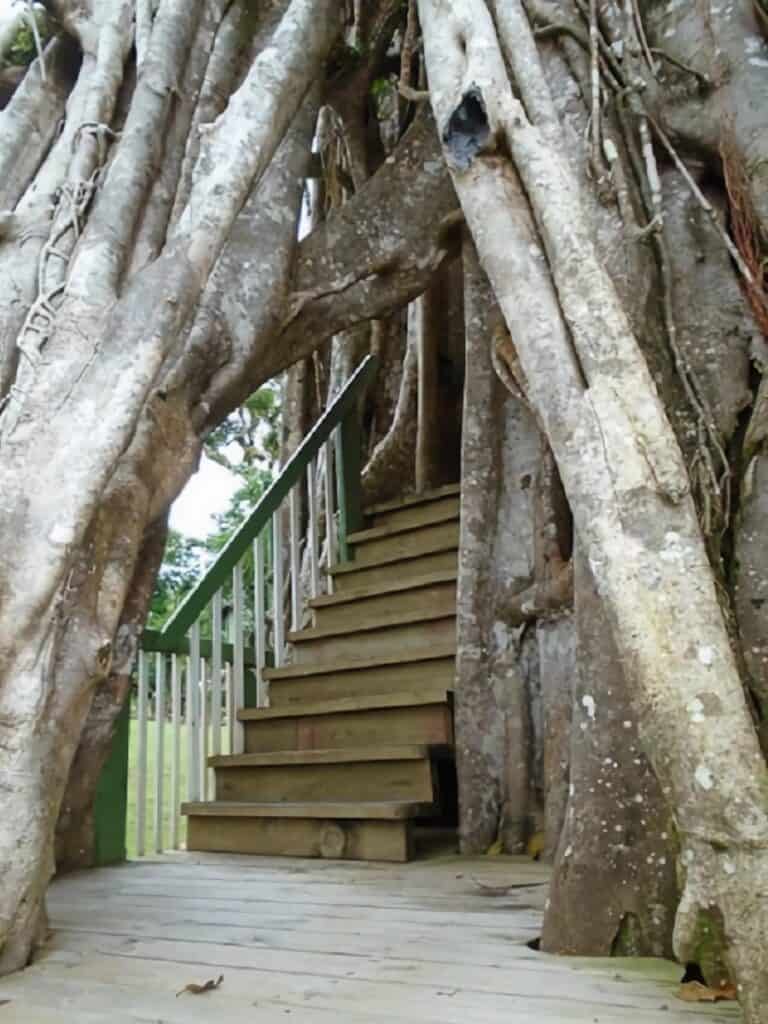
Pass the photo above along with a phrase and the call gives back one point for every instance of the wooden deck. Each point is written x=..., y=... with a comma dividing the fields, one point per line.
x=325, y=943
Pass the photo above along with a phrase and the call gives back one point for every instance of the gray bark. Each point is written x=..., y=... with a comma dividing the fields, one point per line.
x=95, y=388
x=500, y=453
x=614, y=888
x=626, y=483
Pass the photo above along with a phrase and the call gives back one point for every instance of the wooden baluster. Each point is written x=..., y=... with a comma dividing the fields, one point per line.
x=216, y=673
x=259, y=620
x=330, y=523
x=141, y=755
x=229, y=689
x=176, y=749
x=159, y=748
x=193, y=715
x=204, y=729
x=277, y=587
x=314, y=563
x=238, y=656
x=295, y=565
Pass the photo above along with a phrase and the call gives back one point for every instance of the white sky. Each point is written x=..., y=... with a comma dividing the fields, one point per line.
x=5, y=9
x=207, y=492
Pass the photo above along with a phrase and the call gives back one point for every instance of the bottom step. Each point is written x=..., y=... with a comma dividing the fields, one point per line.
x=347, y=831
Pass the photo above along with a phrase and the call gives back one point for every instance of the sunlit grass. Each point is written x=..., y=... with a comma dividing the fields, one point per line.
x=133, y=777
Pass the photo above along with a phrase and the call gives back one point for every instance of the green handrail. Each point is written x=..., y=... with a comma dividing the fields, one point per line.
x=341, y=413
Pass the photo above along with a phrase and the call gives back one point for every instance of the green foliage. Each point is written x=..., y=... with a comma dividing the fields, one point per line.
x=253, y=429
x=179, y=572
x=241, y=503
x=247, y=444
x=23, y=50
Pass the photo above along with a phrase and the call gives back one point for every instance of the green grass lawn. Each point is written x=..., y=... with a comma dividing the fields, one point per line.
x=149, y=833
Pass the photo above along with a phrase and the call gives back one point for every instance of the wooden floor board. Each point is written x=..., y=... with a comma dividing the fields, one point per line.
x=440, y=942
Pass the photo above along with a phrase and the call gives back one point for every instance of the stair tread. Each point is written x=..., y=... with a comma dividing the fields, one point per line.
x=404, y=698
x=374, y=562
x=382, y=532
x=381, y=809
x=446, y=491
x=407, y=618
x=431, y=653
x=427, y=579
x=333, y=755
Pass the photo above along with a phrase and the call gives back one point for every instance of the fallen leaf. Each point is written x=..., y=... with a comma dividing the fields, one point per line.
x=197, y=990
x=695, y=992
x=535, y=846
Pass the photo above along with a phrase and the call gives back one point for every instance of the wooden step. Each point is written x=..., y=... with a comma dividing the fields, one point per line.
x=350, y=830
x=353, y=575
x=429, y=668
x=394, y=542
x=354, y=607
x=423, y=717
x=367, y=773
x=400, y=631
x=416, y=508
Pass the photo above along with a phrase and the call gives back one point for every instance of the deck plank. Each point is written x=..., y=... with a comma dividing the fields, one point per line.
x=356, y=944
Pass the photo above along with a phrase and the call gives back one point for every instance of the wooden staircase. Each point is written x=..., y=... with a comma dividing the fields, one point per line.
x=358, y=734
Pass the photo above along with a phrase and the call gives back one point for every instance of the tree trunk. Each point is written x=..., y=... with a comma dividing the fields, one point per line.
x=75, y=832
x=625, y=480
x=98, y=400
x=500, y=452
x=614, y=888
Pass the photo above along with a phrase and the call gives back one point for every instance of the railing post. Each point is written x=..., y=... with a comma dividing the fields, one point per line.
x=277, y=587
x=348, y=444
x=159, y=748
x=239, y=657
x=141, y=756
x=216, y=673
x=312, y=531
x=193, y=714
x=176, y=749
x=259, y=618
x=330, y=525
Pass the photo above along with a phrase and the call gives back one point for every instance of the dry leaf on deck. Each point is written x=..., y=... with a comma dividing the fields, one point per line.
x=695, y=992
x=197, y=990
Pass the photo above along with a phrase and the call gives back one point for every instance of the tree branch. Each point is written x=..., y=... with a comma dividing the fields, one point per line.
x=380, y=250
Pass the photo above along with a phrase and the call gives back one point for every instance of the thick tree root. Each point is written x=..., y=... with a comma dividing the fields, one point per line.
x=731, y=884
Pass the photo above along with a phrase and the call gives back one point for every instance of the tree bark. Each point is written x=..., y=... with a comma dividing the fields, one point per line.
x=105, y=375
x=500, y=451
x=614, y=889
x=75, y=828
x=625, y=480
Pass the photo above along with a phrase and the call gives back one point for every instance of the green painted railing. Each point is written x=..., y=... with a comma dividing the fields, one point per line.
x=341, y=414
x=205, y=679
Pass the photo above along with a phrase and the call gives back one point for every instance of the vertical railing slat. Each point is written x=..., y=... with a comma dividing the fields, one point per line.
x=295, y=566
x=229, y=689
x=259, y=620
x=204, y=729
x=141, y=755
x=277, y=587
x=314, y=565
x=330, y=523
x=216, y=672
x=176, y=750
x=346, y=440
x=193, y=715
x=239, y=657
x=159, y=749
